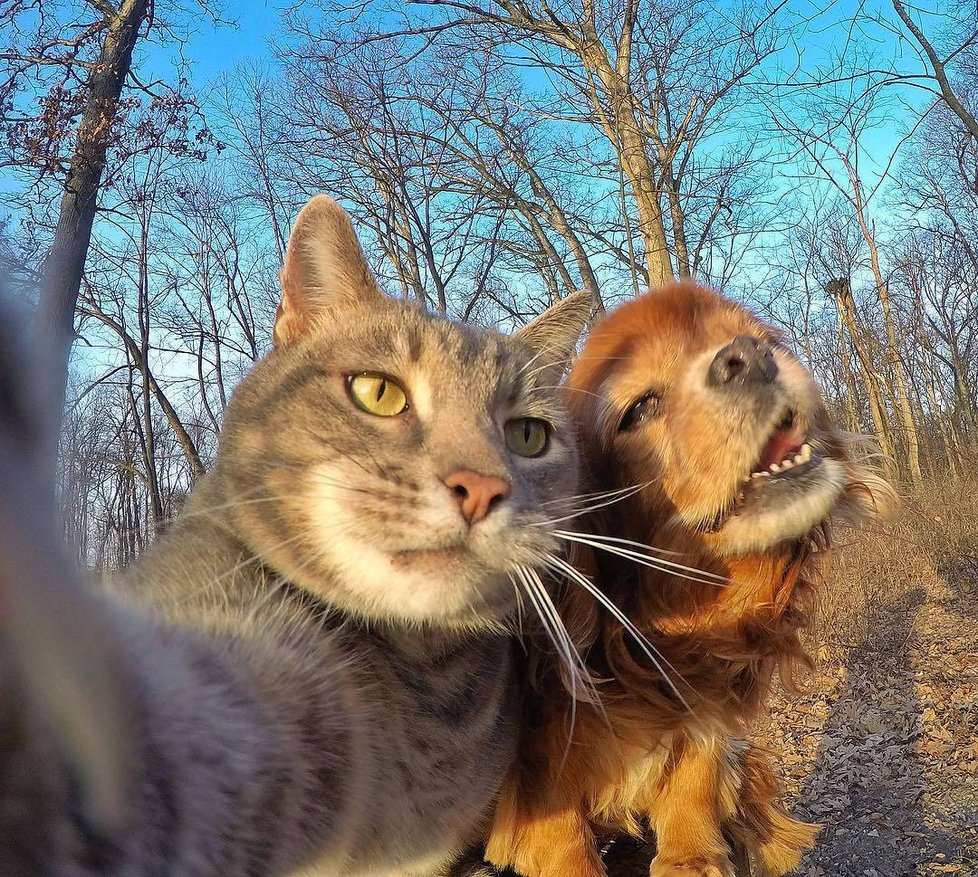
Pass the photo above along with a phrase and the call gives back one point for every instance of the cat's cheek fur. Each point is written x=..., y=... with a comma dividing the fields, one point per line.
x=451, y=575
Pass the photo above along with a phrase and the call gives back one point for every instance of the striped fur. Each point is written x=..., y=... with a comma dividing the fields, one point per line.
x=309, y=674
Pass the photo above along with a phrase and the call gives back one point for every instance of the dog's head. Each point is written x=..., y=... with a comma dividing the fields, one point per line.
x=692, y=395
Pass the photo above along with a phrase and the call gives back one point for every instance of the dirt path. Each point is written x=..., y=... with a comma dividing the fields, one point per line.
x=884, y=750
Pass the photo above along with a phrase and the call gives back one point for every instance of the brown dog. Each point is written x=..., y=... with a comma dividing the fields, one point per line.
x=737, y=471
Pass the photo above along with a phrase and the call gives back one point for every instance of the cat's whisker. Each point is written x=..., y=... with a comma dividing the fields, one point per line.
x=617, y=540
x=581, y=685
x=626, y=493
x=594, y=495
x=651, y=652
x=229, y=573
x=566, y=661
x=265, y=598
x=210, y=510
x=637, y=547
x=566, y=388
x=571, y=360
x=527, y=371
x=553, y=626
x=379, y=473
x=660, y=564
x=580, y=682
x=520, y=610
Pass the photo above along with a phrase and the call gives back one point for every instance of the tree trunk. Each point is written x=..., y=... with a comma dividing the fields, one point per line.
x=139, y=363
x=849, y=374
x=634, y=159
x=839, y=290
x=900, y=391
x=65, y=263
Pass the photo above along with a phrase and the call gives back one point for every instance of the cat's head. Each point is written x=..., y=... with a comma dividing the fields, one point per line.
x=396, y=464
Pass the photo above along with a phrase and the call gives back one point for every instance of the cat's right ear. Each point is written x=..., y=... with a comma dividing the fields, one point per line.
x=324, y=269
x=555, y=333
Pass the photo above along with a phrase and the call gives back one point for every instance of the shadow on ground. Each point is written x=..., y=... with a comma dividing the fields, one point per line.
x=869, y=778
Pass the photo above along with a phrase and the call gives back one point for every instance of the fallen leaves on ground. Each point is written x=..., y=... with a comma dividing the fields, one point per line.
x=883, y=749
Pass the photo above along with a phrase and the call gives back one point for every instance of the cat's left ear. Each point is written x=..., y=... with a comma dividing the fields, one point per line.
x=555, y=333
x=324, y=269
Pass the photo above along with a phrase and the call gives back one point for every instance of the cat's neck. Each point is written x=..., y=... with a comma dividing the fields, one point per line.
x=430, y=644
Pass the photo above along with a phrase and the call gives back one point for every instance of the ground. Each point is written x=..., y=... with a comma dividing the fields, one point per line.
x=882, y=748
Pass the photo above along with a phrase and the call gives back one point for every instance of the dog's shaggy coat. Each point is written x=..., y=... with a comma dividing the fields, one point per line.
x=738, y=472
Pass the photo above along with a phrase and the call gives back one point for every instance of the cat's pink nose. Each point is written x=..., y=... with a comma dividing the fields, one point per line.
x=477, y=494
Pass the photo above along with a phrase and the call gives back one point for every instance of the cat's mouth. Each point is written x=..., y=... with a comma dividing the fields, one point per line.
x=431, y=557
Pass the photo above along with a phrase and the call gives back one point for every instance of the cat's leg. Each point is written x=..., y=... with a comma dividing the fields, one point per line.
x=697, y=795
x=129, y=746
x=64, y=729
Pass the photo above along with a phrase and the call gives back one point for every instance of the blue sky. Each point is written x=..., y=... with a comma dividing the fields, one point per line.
x=214, y=51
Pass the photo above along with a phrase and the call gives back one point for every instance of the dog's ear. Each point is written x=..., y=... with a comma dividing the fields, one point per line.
x=868, y=496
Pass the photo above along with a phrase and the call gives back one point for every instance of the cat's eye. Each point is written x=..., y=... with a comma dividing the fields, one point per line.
x=377, y=394
x=527, y=436
x=642, y=409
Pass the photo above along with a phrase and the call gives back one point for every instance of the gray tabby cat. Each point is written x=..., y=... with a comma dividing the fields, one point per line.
x=309, y=674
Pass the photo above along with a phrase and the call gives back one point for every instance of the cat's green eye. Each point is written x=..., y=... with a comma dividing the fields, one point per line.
x=527, y=436
x=377, y=394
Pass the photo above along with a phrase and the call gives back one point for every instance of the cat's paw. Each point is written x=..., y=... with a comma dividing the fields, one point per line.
x=63, y=713
x=698, y=866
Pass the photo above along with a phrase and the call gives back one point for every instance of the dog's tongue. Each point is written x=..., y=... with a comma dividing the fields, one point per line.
x=783, y=442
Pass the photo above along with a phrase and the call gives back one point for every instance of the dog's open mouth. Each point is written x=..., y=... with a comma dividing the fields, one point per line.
x=787, y=453
x=781, y=472
x=786, y=458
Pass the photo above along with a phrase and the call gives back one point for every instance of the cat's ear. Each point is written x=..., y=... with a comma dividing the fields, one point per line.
x=324, y=269
x=555, y=333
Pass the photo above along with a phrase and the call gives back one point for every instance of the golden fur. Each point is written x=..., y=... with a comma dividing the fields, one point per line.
x=672, y=754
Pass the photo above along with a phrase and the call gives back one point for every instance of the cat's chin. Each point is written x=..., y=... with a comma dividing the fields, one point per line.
x=444, y=587
x=433, y=562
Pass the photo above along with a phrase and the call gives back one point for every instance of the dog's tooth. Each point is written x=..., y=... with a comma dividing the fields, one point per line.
x=763, y=474
x=806, y=452
x=774, y=467
x=786, y=464
x=799, y=459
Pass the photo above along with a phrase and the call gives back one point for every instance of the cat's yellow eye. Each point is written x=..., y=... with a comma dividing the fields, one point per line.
x=527, y=436
x=377, y=394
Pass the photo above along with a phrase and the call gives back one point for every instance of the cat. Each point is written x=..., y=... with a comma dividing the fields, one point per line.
x=707, y=439
x=310, y=672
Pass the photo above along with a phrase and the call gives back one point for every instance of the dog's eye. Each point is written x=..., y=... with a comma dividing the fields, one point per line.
x=643, y=409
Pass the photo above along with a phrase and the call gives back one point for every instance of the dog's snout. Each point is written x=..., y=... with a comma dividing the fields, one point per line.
x=745, y=360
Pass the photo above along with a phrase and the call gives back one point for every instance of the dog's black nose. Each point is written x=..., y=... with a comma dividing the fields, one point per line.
x=745, y=360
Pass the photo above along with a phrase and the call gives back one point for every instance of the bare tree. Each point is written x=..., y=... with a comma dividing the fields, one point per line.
x=85, y=76
x=827, y=127
x=656, y=80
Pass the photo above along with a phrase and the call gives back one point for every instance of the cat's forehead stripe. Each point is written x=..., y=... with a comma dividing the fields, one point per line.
x=421, y=393
x=415, y=345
